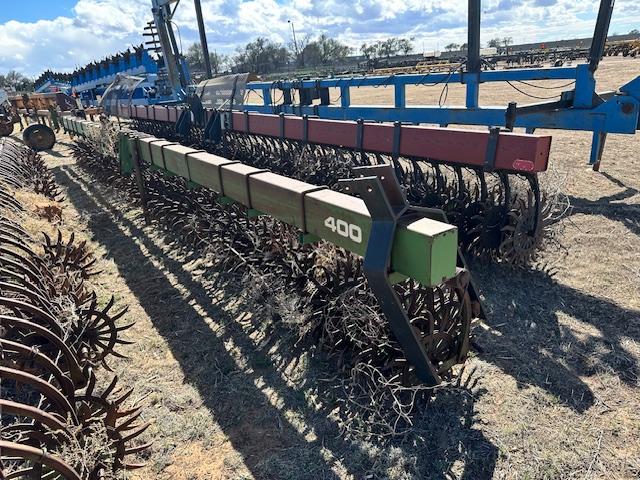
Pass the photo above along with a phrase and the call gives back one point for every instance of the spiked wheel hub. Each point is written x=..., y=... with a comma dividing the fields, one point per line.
x=6, y=127
x=39, y=137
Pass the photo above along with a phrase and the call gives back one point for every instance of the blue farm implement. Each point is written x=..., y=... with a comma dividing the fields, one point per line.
x=579, y=108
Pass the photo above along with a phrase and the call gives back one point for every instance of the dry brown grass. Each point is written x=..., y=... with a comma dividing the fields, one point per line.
x=554, y=391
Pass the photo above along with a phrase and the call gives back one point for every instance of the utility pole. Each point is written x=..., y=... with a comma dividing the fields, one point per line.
x=295, y=43
x=203, y=39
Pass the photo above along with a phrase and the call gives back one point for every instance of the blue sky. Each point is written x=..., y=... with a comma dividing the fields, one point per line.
x=32, y=10
x=64, y=34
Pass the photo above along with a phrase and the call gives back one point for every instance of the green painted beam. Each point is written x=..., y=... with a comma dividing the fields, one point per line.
x=423, y=249
x=124, y=155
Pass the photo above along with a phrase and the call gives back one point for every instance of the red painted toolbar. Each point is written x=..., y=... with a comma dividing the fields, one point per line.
x=514, y=152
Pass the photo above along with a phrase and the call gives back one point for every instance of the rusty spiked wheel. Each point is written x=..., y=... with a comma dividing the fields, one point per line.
x=6, y=127
x=39, y=137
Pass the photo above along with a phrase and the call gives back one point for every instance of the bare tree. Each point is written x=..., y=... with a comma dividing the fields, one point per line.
x=195, y=59
x=297, y=50
x=260, y=56
x=405, y=45
x=324, y=51
x=387, y=48
x=17, y=81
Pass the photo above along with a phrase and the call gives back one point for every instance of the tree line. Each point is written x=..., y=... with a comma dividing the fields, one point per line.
x=494, y=42
x=265, y=56
x=16, y=80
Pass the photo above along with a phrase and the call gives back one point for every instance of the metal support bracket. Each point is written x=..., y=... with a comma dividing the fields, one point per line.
x=192, y=116
x=474, y=293
x=281, y=123
x=213, y=129
x=246, y=122
x=597, y=147
x=397, y=133
x=247, y=177
x=510, y=116
x=492, y=149
x=286, y=97
x=305, y=129
x=183, y=125
x=379, y=188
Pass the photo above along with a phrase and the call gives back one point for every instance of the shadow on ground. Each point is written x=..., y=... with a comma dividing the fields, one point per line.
x=56, y=154
x=530, y=341
x=610, y=206
x=528, y=338
x=271, y=445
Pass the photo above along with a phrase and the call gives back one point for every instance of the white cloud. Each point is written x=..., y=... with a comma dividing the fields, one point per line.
x=99, y=28
x=103, y=27
x=112, y=17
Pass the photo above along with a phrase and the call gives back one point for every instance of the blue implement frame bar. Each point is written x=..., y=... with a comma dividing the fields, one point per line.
x=580, y=108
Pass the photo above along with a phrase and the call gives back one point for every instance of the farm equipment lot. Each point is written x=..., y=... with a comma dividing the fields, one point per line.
x=551, y=390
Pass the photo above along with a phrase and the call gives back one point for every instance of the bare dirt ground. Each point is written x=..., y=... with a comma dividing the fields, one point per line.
x=551, y=390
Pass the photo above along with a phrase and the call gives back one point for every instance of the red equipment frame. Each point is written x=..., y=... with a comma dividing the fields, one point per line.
x=503, y=151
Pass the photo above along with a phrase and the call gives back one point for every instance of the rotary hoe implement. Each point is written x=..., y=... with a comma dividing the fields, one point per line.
x=335, y=209
x=485, y=183
x=58, y=419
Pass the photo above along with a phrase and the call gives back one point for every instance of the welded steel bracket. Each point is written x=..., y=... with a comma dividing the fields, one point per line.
x=183, y=125
x=194, y=115
x=379, y=188
x=492, y=149
x=213, y=128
